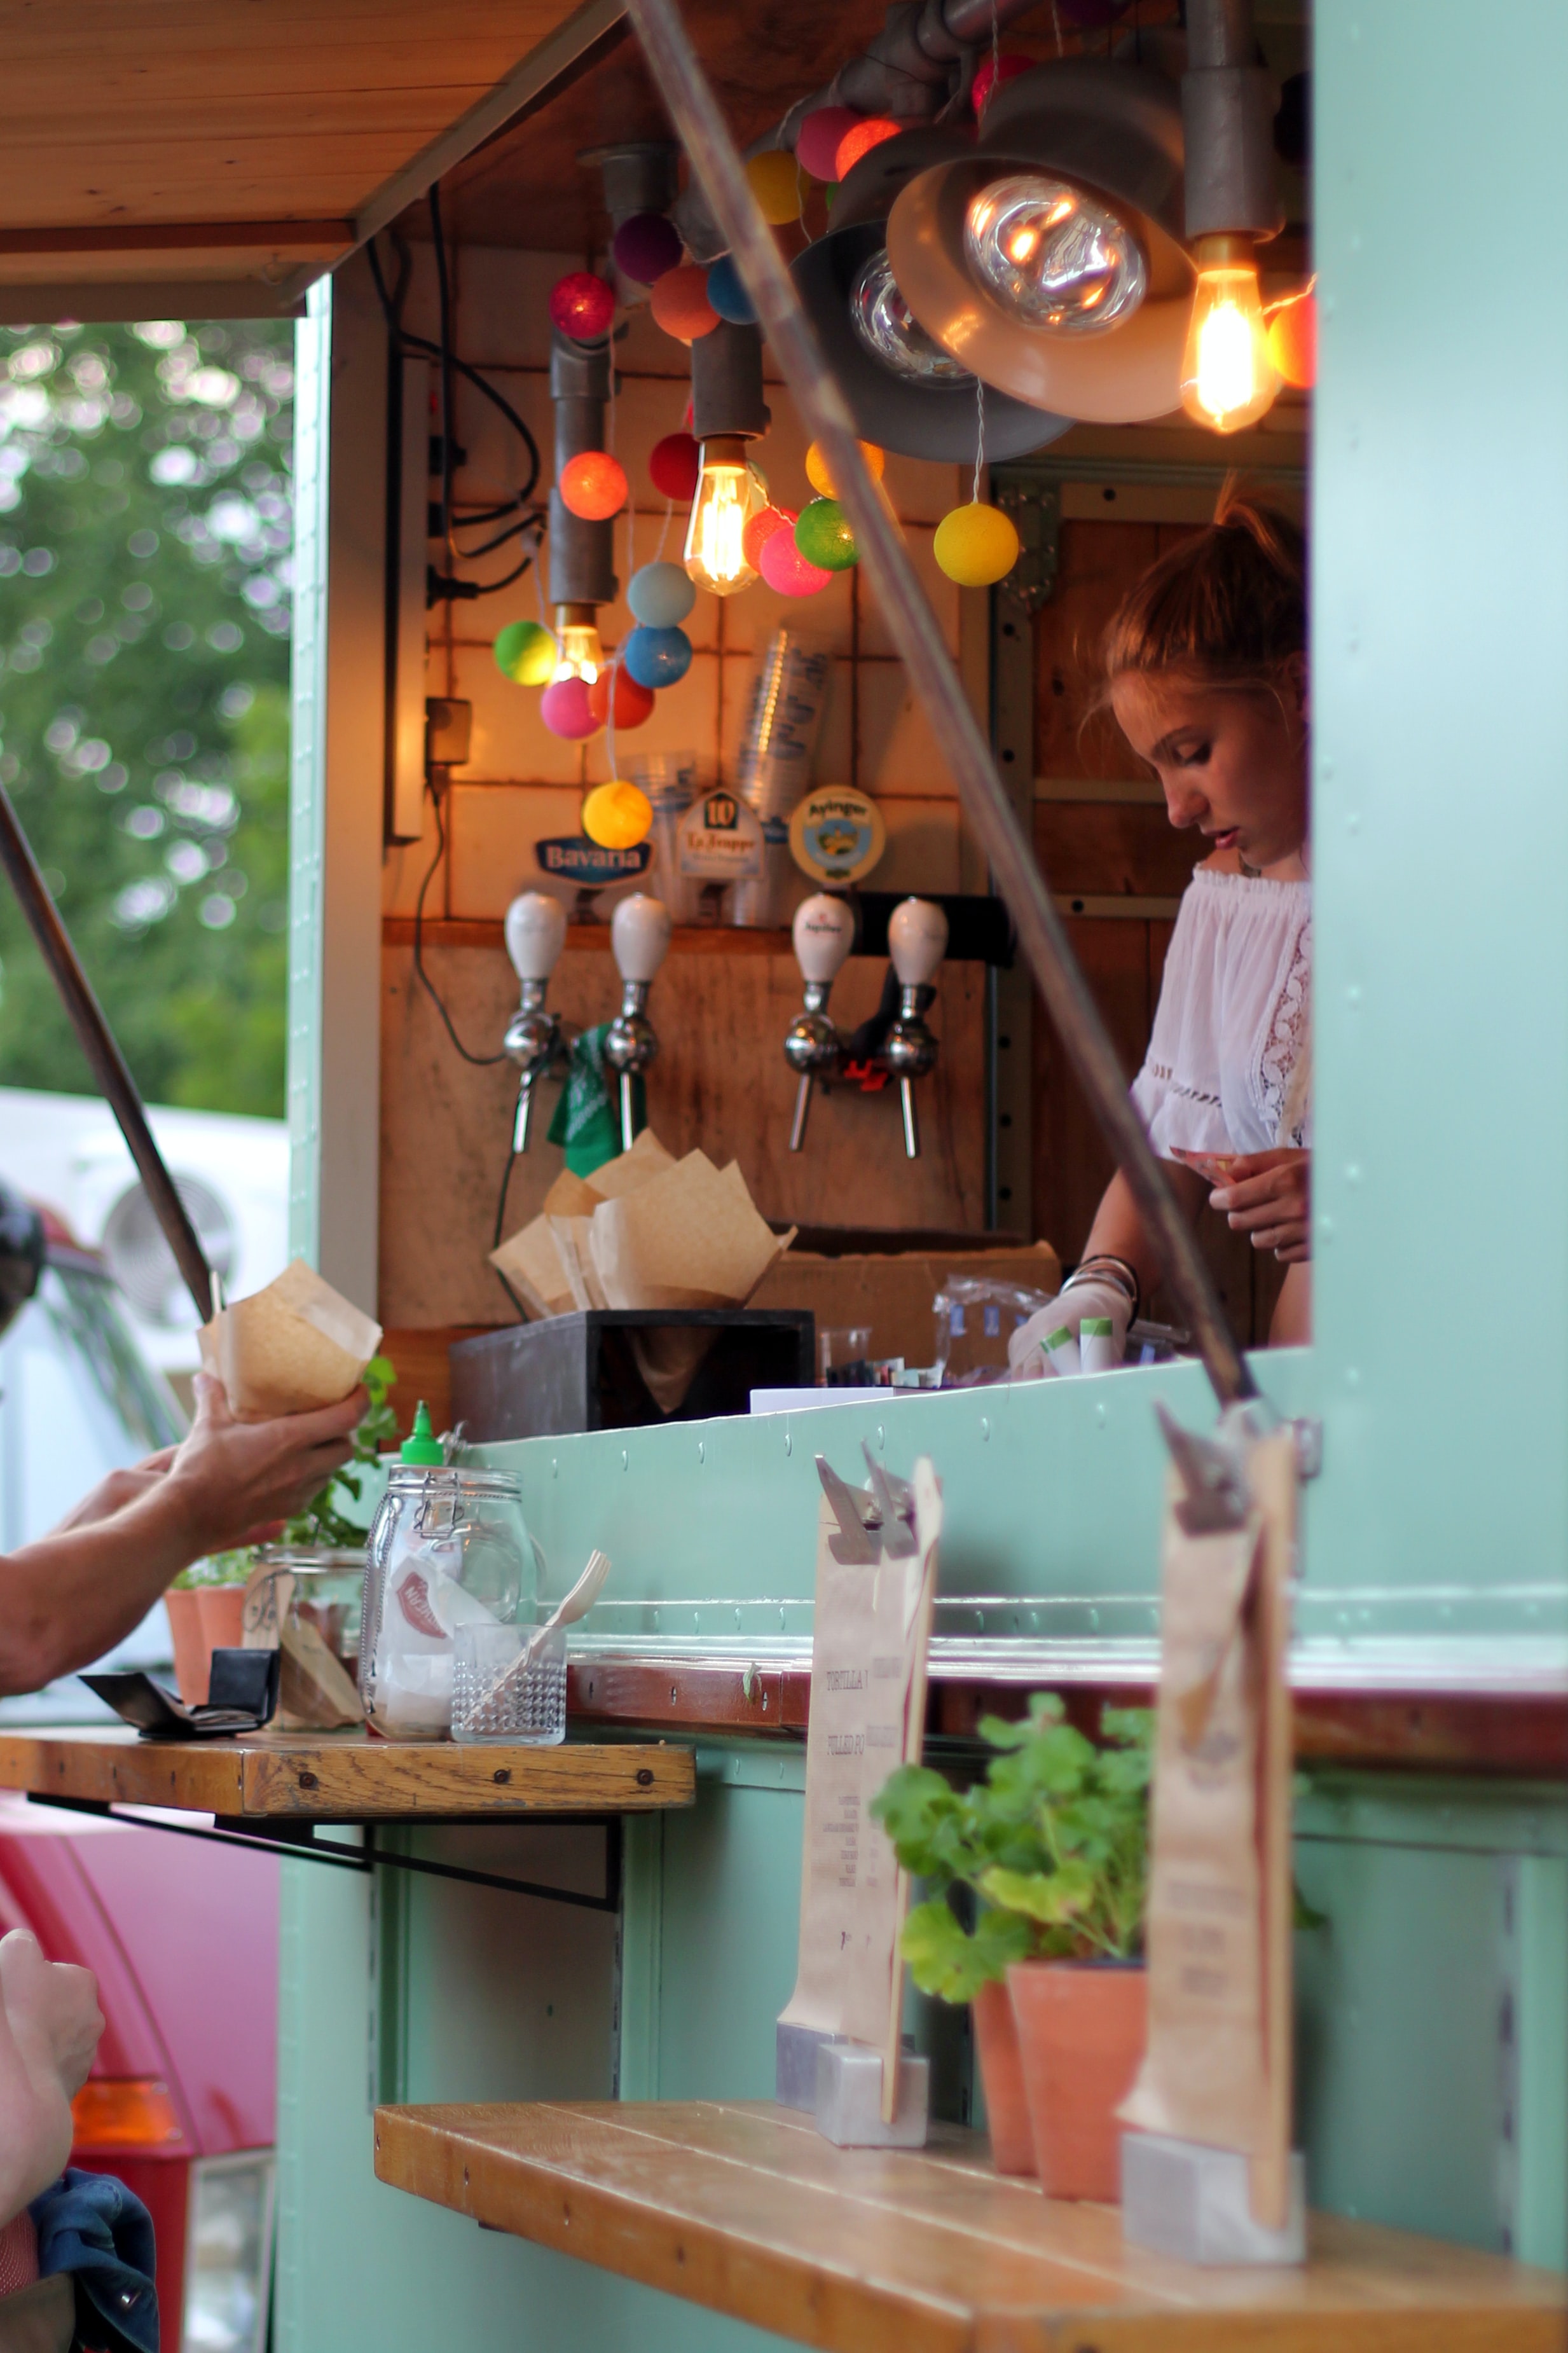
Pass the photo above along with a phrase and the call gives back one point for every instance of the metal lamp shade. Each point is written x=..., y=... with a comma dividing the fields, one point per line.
x=1115, y=131
x=915, y=420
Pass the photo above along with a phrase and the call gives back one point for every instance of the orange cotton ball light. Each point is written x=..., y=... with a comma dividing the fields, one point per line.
x=821, y=480
x=757, y=532
x=679, y=303
x=617, y=816
x=861, y=140
x=775, y=183
x=593, y=485
x=633, y=704
x=1294, y=341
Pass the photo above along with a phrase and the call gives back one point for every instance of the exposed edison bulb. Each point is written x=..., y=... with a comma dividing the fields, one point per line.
x=579, y=654
x=1227, y=377
x=886, y=327
x=1052, y=256
x=729, y=494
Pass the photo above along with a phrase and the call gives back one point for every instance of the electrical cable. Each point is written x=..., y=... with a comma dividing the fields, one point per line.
x=444, y=312
x=480, y=1062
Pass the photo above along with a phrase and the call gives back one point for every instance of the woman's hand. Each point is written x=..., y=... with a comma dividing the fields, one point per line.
x=1267, y=1195
x=230, y=1480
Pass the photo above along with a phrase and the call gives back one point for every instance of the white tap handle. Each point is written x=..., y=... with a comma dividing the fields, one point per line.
x=535, y=934
x=639, y=935
x=824, y=935
x=917, y=940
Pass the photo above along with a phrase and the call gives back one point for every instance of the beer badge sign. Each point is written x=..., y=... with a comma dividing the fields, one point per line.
x=836, y=834
x=573, y=858
x=721, y=839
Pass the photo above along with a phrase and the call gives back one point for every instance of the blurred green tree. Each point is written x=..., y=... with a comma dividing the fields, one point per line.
x=145, y=534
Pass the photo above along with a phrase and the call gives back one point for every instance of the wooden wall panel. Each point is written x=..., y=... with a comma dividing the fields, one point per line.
x=720, y=1081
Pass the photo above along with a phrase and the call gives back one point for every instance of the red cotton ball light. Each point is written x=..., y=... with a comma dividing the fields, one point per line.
x=786, y=569
x=645, y=247
x=860, y=142
x=820, y=137
x=593, y=485
x=675, y=466
x=756, y=533
x=582, y=306
x=633, y=704
x=565, y=710
x=1294, y=341
x=680, y=306
x=990, y=76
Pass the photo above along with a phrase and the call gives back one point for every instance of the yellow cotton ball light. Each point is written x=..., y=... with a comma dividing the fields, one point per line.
x=975, y=546
x=776, y=179
x=617, y=816
x=821, y=480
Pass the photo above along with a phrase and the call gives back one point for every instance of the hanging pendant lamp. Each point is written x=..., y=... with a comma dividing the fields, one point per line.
x=905, y=393
x=1050, y=260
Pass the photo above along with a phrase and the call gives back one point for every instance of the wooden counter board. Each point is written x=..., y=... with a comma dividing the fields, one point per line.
x=325, y=1777
x=747, y=2210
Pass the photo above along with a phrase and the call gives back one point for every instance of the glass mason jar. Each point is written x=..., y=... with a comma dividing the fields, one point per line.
x=305, y=1601
x=447, y=1547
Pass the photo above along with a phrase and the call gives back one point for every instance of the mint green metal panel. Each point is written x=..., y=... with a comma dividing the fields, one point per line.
x=1440, y=839
x=1539, y=1930
x=308, y=763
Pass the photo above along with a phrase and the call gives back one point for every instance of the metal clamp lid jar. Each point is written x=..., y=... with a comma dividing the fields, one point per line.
x=447, y=1547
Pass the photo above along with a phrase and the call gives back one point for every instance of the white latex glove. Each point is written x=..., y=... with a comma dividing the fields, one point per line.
x=1026, y=1355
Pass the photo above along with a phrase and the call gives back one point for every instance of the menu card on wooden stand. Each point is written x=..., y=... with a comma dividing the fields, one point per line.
x=1217, y=2077
x=876, y=1584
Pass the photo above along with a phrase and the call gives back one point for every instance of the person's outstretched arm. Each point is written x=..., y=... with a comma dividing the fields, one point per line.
x=73, y=1595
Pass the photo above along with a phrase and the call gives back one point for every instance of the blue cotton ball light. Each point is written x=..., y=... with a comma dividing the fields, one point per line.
x=656, y=657
x=661, y=596
x=727, y=294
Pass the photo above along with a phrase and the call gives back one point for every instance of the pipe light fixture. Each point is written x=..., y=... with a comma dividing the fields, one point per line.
x=727, y=412
x=1228, y=378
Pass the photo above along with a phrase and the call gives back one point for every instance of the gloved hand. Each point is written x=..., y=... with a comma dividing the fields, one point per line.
x=1093, y=1297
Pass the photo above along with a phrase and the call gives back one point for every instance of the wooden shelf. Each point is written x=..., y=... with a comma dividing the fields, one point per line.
x=478, y=932
x=746, y=2210
x=347, y=1776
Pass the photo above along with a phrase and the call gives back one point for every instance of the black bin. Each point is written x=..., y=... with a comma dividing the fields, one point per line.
x=582, y=1371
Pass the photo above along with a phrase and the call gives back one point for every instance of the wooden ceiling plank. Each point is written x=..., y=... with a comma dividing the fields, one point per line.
x=412, y=115
x=24, y=303
x=533, y=75
x=133, y=29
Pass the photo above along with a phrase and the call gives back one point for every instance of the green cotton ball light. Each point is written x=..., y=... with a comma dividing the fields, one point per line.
x=661, y=596
x=525, y=652
x=822, y=534
x=975, y=546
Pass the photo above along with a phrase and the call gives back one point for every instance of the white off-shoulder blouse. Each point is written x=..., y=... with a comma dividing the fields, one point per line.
x=1228, y=1063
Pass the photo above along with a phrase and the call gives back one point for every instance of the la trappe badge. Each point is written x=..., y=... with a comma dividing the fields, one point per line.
x=836, y=834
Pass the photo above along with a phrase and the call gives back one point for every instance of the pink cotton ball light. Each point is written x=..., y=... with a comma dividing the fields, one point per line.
x=820, y=137
x=566, y=711
x=786, y=569
x=582, y=306
x=990, y=78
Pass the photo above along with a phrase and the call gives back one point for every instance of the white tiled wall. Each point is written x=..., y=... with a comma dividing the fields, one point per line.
x=521, y=782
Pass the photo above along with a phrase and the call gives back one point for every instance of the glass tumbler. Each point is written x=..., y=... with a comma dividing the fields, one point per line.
x=509, y=1684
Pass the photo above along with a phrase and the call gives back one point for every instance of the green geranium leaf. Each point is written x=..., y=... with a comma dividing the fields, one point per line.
x=954, y=1966
x=1054, y=1898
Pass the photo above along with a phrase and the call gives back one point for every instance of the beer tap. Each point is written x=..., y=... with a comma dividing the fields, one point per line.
x=917, y=942
x=824, y=935
x=639, y=937
x=535, y=935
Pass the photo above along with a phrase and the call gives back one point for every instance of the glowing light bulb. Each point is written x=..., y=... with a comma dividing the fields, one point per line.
x=886, y=326
x=581, y=655
x=1053, y=257
x=1228, y=379
x=728, y=495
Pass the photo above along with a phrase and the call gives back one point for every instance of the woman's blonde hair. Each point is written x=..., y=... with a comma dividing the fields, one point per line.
x=1228, y=606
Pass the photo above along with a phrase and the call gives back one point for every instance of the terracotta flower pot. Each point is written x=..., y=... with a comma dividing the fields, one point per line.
x=1002, y=2074
x=1082, y=2031
x=191, y=1655
x=220, y=1616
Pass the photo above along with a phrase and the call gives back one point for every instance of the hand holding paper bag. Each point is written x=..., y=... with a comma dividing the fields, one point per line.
x=291, y=1348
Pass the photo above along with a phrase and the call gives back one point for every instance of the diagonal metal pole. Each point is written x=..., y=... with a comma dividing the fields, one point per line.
x=918, y=640
x=108, y=1065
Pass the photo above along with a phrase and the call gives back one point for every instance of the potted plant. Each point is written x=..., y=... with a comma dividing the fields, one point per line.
x=1046, y=1861
x=207, y=1601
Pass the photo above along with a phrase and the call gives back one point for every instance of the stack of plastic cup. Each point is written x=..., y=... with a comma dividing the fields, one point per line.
x=671, y=782
x=783, y=718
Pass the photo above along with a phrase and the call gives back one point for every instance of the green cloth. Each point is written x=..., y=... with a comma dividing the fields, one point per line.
x=587, y=1122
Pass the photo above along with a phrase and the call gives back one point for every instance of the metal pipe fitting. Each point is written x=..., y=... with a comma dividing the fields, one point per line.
x=1228, y=101
x=582, y=553
x=727, y=385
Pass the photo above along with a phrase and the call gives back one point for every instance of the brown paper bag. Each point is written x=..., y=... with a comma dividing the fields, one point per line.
x=533, y=1264
x=1217, y=2069
x=296, y=1346
x=315, y=1692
